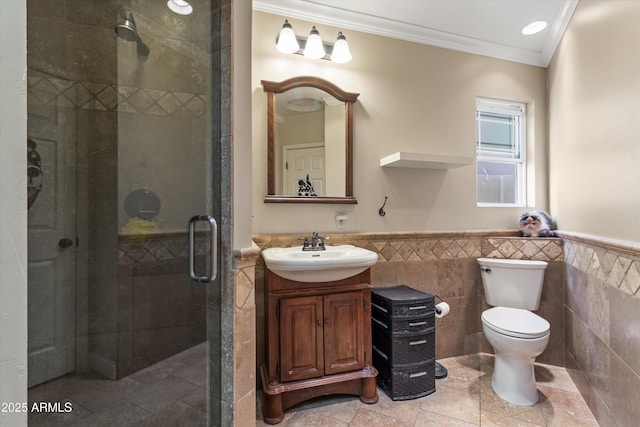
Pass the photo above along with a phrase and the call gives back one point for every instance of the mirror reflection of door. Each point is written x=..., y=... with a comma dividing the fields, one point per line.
x=307, y=115
x=304, y=162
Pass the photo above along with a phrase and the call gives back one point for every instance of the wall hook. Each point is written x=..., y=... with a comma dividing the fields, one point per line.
x=381, y=211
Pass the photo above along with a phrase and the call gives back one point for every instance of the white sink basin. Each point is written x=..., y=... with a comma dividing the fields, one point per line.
x=334, y=263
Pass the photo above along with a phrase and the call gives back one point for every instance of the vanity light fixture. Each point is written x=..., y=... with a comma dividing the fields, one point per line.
x=313, y=46
x=534, y=28
x=181, y=7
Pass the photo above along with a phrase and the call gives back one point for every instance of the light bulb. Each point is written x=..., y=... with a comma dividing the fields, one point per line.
x=314, y=48
x=341, y=53
x=287, y=42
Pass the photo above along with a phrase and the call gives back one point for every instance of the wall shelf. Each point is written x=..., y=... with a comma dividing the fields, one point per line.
x=402, y=159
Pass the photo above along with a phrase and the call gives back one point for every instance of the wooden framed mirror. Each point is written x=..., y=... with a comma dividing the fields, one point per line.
x=310, y=141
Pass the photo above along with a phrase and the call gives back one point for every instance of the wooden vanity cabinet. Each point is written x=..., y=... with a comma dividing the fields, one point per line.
x=313, y=340
x=318, y=342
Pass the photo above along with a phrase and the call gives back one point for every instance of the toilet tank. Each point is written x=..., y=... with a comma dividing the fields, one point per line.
x=512, y=282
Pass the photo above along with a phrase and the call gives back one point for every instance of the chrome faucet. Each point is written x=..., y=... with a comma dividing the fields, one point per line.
x=316, y=244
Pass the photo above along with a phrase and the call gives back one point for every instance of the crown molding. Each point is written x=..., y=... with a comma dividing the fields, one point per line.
x=557, y=31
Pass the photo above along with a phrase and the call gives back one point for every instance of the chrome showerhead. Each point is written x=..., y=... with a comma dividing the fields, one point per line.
x=128, y=30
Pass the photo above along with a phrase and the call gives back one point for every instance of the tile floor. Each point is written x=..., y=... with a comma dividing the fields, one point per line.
x=464, y=398
x=172, y=393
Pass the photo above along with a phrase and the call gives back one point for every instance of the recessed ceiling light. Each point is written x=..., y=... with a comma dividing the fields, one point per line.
x=181, y=7
x=534, y=28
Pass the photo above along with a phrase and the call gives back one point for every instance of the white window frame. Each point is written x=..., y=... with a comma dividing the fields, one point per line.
x=518, y=159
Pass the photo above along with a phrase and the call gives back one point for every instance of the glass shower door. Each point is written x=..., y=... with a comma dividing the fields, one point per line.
x=123, y=117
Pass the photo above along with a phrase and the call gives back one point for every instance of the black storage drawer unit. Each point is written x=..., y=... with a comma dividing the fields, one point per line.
x=403, y=336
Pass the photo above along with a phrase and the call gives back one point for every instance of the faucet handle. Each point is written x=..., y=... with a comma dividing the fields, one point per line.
x=321, y=239
x=305, y=243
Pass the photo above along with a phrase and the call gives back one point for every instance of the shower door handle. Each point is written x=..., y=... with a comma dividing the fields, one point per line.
x=213, y=245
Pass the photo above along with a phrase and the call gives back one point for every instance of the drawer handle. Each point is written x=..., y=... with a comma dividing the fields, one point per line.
x=378, y=307
x=417, y=374
x=418, y=342
x=418, y=307
x=382, y=324
x=380, y=352
x=417, y=323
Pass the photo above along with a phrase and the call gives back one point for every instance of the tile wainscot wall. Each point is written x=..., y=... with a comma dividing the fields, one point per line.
x=591, y=298
x=444, y=264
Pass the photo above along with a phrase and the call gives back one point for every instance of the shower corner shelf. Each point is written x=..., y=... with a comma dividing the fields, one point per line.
x=402, y=159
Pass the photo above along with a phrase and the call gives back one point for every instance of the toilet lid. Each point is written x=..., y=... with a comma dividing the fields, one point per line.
x=515, y=322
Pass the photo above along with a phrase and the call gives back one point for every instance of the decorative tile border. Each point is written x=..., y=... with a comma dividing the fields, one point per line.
x=542, y=249
x=439, y=245
x=615, y=263
x=389, y=247
x=140, y=249
x=109, y=97
x=395, y=246
x=426, y=249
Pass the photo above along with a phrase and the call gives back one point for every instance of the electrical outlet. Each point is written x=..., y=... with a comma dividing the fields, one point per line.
x=341, y=221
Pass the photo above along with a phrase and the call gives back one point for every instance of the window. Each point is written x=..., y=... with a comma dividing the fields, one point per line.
x=500, y=149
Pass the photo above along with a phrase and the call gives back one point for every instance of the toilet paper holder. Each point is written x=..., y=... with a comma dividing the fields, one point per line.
x=440, y=371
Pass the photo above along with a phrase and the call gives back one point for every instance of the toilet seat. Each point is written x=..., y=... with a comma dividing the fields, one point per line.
x=515, y=322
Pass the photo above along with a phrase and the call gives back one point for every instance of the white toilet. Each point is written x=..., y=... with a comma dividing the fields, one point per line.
x=518, y=336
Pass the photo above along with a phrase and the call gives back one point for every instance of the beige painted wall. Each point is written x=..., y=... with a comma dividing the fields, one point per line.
x=242, y=123
x=413, y=98
x=13, y=210
x=594, y=125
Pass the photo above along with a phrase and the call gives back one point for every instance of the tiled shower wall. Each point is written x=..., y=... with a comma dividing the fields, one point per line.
x=445, y=264
x=160, y=310
x=602, y=314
